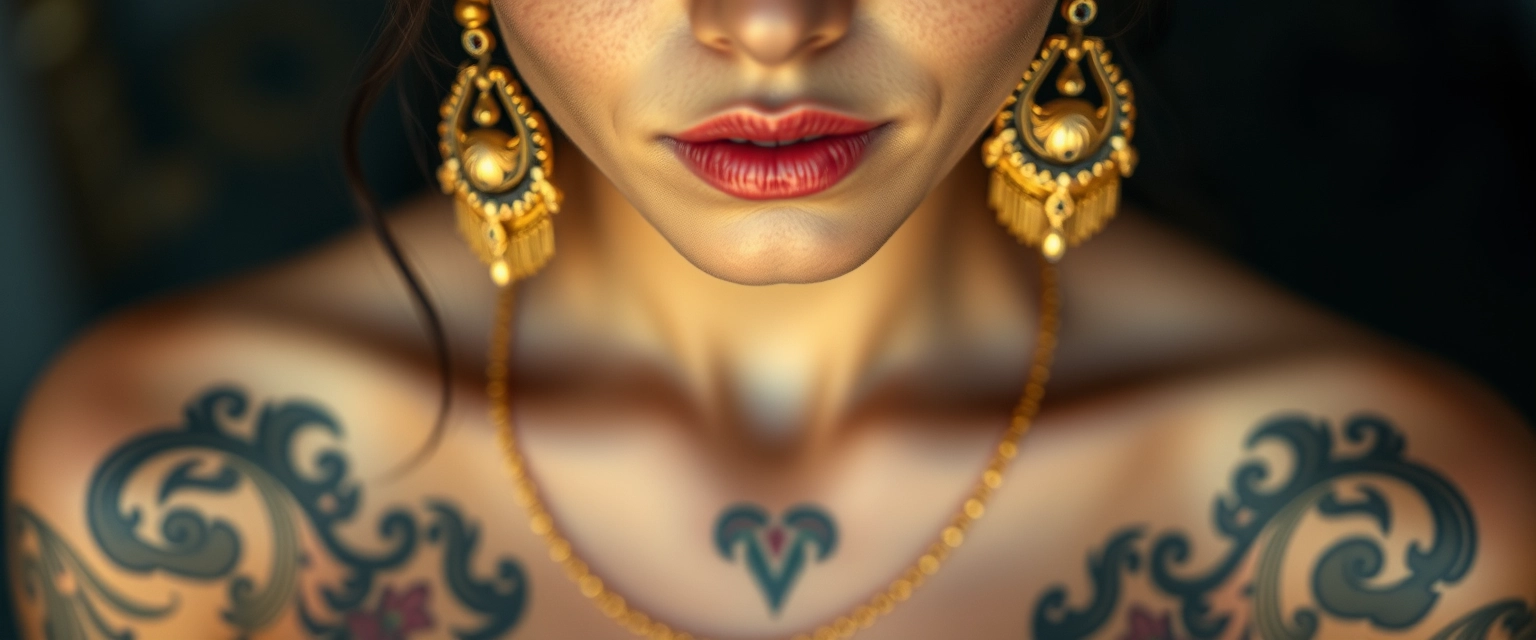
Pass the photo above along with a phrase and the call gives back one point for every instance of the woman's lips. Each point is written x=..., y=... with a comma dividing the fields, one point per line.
x=758, y=157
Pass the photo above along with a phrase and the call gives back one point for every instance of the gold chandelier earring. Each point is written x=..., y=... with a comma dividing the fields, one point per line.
x=497, y=158
x=1056, y=167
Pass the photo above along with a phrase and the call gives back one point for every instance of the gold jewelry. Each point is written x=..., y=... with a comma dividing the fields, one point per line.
x=499, y=181
x=526, y=491
x=1056, y=167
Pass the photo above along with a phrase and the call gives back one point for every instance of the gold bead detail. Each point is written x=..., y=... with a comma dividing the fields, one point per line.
x=974, y=508
x=1053, y=247
x=928, y=564
x=1080, y=12
x=590, y=586
x=478, y=42
x=472, y=14
x=560, y=551
x=1008, y=449
x=953, y=537
x=540, y=524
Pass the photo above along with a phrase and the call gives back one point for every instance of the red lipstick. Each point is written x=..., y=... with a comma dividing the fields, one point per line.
x=759, y=157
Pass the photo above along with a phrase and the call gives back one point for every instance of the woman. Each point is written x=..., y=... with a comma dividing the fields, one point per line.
x=764, y=388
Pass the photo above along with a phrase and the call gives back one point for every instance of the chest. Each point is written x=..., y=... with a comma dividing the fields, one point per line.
x=728, y=547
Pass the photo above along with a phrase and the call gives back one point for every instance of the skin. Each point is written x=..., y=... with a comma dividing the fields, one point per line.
x=660, y=382
x=618, y=76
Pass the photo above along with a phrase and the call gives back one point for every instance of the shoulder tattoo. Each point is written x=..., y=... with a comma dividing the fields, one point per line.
x=207, y=456
x=1258, y=517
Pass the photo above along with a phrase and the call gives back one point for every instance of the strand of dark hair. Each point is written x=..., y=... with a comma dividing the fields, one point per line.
x=399, y=39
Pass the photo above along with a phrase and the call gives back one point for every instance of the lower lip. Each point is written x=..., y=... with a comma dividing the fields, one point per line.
x=748, y=171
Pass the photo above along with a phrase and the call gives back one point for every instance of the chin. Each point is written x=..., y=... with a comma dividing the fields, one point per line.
x=781, y=245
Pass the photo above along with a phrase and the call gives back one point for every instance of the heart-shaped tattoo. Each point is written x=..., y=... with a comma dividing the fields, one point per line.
x=775, y=551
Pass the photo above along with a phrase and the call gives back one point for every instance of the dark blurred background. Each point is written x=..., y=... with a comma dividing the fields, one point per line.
x=1374, y=156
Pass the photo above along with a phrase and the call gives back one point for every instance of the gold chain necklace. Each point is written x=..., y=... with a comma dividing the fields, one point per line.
x=526, y=491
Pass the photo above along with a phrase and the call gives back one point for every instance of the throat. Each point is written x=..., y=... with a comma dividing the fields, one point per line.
x=773, y=395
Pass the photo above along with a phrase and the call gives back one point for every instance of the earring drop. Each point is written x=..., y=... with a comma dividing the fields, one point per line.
x=1056, y=167
x=496, y=159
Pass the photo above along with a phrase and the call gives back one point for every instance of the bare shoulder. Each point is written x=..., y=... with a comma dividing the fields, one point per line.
x=1437, y=412
x=176, y=465
x=1328, y=493
x=334, y=323
x=1412, y=498
x=139, y=367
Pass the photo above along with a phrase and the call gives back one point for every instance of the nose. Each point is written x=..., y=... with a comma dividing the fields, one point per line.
x=770, y=32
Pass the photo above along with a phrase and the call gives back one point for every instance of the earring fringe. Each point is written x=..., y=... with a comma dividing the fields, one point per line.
x=497, y=159
x=1056, y=167
x=532, y=248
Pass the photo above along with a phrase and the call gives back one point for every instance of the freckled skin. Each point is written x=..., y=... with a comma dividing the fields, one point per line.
x=615, y=76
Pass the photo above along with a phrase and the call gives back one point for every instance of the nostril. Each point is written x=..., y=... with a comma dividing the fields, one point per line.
x=818, y=41
x=707, y=28
x=771, y=32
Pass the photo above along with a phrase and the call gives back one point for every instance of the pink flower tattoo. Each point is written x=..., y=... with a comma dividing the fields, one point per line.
x=1145, y=626
x=396, y=617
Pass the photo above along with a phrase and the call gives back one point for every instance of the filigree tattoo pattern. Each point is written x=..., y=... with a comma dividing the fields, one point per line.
x=207, y=456
x=70, y=592
x=775, y=552
x=1259, y=519
x=1513, y=617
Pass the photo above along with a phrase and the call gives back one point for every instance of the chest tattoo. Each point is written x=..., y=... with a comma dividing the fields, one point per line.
x=775, y=551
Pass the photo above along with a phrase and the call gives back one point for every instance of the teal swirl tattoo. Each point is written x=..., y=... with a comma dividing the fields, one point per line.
x=1344, y=580
x=1052, y=617
x=776, y=569
x=501, y=598
x=70, y=591
x=1512, y=615
x=207, y=457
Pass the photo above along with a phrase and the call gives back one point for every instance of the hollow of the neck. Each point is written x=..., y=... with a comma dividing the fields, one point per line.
x=948, y=302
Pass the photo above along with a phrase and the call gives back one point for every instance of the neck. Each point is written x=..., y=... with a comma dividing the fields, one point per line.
x=779, y=364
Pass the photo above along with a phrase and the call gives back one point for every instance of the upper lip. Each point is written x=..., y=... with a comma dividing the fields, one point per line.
x=746, y=124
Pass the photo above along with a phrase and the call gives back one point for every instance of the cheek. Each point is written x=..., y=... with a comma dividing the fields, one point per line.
x=976, y=49
x=969, y=32
x=569, y=51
